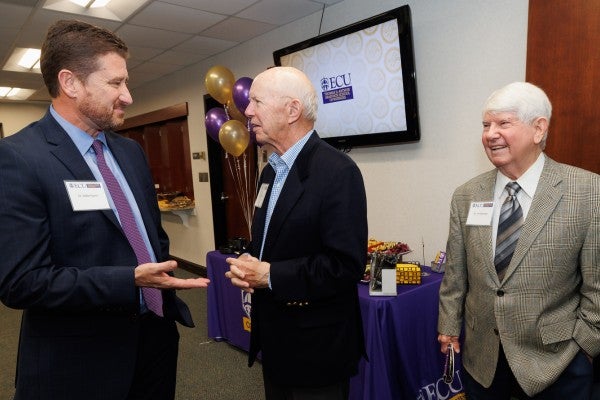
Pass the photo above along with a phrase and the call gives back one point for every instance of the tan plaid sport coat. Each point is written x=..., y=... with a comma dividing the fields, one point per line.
x=547, y=307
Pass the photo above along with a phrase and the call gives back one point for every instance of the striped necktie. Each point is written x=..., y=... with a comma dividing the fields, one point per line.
x=509, y=228
x=152, y=296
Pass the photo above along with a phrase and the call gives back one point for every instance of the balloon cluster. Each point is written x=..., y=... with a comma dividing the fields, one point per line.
x=228, y=125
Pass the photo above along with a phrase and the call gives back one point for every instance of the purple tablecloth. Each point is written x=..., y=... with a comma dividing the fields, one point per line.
x=400, y=334
x=227, y=316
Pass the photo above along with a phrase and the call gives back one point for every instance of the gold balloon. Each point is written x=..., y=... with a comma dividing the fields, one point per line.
x=234, y=113
x=234, y=137
x=219, y=82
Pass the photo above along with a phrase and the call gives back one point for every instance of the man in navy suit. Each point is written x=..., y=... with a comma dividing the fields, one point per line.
x=308, y=250
x=87, y=331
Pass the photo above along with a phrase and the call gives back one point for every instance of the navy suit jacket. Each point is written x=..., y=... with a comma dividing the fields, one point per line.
x=308, y=326
x=72, y=272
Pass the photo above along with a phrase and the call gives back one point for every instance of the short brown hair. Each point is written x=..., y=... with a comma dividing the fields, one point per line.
x=76, y=46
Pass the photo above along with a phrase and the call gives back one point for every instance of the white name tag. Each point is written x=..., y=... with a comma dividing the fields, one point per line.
x=87, y=195
x=260, y=197
x=480, y=213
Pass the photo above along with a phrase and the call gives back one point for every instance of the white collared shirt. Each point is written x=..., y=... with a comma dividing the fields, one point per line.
x=528, y=182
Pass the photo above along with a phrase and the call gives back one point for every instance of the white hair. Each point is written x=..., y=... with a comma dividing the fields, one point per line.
x=527, y=101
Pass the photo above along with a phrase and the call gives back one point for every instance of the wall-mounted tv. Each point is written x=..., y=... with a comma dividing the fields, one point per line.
x=365, y=76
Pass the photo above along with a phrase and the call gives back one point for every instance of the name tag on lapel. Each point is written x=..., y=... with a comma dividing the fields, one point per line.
x=260, y=197
x=480, y=213
x=87, y=195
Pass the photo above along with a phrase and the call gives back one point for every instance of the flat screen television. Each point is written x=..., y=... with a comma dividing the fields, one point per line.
x=365, y=77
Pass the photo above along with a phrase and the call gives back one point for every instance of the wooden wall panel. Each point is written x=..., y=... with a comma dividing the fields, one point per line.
x=563, y=58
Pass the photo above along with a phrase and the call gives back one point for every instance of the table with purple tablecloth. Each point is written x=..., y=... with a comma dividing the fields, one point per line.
x=400, y=336
x=228, y=307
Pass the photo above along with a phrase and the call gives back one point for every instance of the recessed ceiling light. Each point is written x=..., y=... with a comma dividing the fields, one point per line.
x=30, y=58
x=10, y=92
x=115, y=10
x=23, y=60
x=14, y=93
x=91, y=3
x=100, y=3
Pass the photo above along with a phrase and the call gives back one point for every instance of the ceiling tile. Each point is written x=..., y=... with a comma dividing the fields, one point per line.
x=328, y=2
x=34, y=31
x=13, y=16
x=161, y=15
x=229, y=7
x=179, y=58
x=280, y=12
x=142, y=53
x=156, y=68
x=238, y=29
x=23, y=80
x=41, y=95
x=27, y=3
x=142, y=36
x=205, y=45
x=163, y=35
x=116, y=10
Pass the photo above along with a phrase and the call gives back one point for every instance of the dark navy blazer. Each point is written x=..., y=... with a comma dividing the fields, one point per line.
x=72, y=271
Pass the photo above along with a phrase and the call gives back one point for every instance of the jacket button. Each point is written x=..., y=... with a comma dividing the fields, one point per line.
x=500, y=293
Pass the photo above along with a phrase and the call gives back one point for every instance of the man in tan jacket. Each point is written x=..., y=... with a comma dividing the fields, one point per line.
x=531, y=318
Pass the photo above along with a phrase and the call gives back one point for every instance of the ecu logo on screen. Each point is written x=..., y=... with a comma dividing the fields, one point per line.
x=337, y=88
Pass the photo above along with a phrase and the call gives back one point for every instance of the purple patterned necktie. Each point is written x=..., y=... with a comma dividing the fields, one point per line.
x=152, y=296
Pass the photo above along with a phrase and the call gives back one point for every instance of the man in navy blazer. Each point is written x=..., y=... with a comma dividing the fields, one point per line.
x=308, y=249
x=86, y=330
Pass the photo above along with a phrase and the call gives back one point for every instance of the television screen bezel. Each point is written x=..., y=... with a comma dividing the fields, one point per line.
x=412, y=134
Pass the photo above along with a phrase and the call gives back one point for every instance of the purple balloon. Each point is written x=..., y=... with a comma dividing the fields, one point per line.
x=241, y=93
x=215, y=117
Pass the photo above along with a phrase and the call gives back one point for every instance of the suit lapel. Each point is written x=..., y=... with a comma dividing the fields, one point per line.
x=292, y=191
x=63, y=148
x=486, y=193
x=260, y=213
x=67, y=153
x=545, y=200
x=130, y=170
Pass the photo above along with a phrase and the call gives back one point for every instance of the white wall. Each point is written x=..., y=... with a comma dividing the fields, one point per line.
x=464, y=50
x=15, y=117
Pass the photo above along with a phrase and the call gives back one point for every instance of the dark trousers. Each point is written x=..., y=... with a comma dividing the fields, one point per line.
x=156, y=365
x=338, y=391
x=575, y=383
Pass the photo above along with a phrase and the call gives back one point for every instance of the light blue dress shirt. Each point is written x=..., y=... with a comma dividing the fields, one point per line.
x=83, y=142
x=282, y=165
